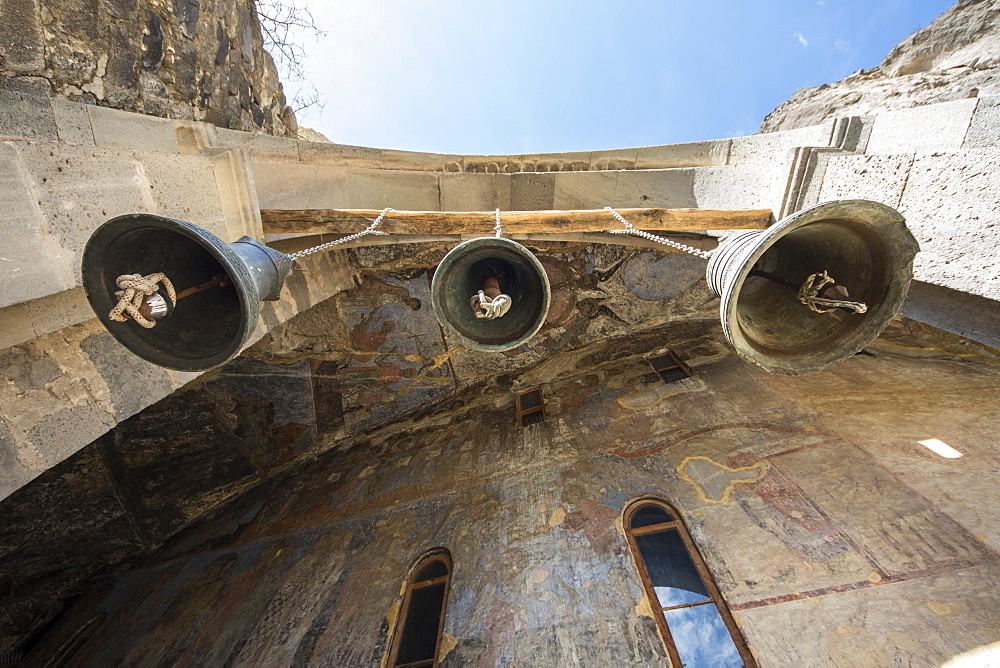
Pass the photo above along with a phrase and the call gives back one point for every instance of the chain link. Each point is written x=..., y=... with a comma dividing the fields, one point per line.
x=629, y=229
x=496, y=228
x=357, y=235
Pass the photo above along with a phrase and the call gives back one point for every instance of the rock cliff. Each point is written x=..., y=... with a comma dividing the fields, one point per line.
x=189, y=59
x=957, y=56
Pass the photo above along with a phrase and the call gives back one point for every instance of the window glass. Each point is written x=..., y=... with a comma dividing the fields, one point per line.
x=694, y=623
x=671, y=570
x=702, y=638
x=650, y=514
x=420, y=629
x=418, y=632
x=673, y=375
x=531, y=400
x=435, y=569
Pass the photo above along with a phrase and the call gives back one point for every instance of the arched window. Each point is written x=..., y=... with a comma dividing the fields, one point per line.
x=694, y=622
x=421, y=618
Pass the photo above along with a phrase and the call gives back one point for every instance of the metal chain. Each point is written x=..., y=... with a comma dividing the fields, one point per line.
x=357, y=235
x=496, y=228
x=629, y=229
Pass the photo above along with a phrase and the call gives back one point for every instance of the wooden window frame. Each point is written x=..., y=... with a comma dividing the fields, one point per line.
x=419, y=564
x=678, y=363
x=540, y=408
x=699, y=563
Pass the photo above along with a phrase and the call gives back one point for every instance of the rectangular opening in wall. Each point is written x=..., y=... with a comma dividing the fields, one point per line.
x=530, y=408
x=669, y=367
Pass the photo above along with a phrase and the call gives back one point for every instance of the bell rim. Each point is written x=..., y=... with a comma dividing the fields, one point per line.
x=220, y=251
x=521, y=250
x=877, y=318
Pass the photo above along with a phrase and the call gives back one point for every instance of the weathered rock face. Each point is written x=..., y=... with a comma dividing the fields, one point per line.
x=955, y=57
x=187, y=59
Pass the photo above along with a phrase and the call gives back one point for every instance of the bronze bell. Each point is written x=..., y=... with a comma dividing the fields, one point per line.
x=217, y=286
x=780, y=313
x=498, y=267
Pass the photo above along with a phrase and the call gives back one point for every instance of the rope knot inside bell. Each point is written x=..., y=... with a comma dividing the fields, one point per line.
x=135, y=290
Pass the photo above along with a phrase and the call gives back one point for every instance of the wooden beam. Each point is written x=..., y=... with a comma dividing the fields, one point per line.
x=348, y=221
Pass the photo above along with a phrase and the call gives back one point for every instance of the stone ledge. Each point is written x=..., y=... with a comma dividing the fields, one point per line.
x=339, y=155
x=262, y=147
x=970, y=316
x=932, y=127
x=26, y=117
x=984, y=129
x=73, y=122
x=113, y=127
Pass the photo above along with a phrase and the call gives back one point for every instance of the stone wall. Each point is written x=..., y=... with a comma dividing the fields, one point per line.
x=183, y=59
x=834, y=535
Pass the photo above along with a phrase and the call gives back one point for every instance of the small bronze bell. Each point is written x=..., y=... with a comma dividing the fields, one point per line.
x=497, y=267
x=218, y=286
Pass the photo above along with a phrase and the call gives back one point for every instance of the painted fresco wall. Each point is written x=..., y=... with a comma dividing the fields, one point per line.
x=835, y=536
x=370, y=355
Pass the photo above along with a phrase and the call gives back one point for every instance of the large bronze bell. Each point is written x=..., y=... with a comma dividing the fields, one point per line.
x=780, y=313
x=491, y=265
x=217, y=286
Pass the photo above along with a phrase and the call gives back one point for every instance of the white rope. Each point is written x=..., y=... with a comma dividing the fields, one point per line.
x=134, y=290
x=808, y=295
x=484, y=307
x=357, y=235
x=629, y=229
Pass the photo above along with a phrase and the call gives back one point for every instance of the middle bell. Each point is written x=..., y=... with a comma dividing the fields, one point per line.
x=491, y=265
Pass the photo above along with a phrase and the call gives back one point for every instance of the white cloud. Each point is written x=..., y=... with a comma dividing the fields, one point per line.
x=802, y=40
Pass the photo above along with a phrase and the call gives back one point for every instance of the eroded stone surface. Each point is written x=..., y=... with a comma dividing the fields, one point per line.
x=146, y=57
x=953, y=58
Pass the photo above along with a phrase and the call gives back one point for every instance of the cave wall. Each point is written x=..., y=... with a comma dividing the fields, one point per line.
x=184, y=59
x=835, y=537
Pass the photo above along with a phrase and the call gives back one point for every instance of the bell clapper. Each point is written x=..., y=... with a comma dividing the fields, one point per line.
x=490, y=302
x=141, y=295
x=219, y=280
x=491, y=286
x=155, y=307
x=819, y=292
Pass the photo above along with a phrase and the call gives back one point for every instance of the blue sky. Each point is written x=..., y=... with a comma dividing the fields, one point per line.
x=521, y=76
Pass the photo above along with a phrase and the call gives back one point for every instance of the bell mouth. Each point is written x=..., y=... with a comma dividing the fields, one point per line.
x=205, y=329
x=771, y=317
x=462, y=273
x=864, y=245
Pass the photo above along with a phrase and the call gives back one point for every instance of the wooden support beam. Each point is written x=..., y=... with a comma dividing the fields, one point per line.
x=348, y=221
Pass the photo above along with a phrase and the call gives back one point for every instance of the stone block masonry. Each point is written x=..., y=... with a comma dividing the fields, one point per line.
x=184, y=59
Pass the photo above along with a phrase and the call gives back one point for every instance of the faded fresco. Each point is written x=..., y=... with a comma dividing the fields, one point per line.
x=810, y=498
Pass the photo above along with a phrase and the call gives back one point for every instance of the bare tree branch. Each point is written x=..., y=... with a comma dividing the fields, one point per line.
x=279, y=19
